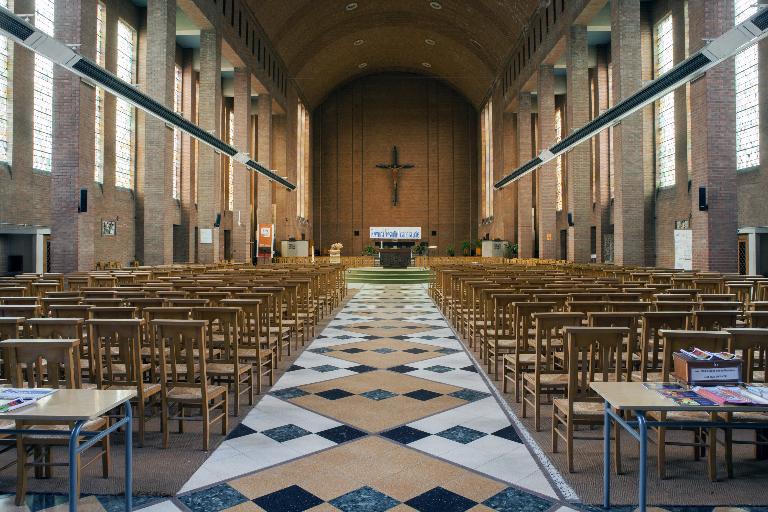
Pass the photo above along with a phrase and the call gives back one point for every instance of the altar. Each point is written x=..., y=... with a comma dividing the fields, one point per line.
x=395, y=258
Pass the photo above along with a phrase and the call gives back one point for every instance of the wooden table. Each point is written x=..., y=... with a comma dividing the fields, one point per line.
x=395, y=258
x=76, y=407
x=636, y=398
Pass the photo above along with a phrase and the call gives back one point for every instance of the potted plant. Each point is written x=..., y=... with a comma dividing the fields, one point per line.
x=478, y=247
x=335, y=252
x=466, y=247
x=418, y=249
x=369, y=250
x=450, y=251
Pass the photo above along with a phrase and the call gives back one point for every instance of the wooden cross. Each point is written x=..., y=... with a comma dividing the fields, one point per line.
x=395, y=167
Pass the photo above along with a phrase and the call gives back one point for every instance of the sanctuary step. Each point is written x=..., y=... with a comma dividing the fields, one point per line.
x=375, y=275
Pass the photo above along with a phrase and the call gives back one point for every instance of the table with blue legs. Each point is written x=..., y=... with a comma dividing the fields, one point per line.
x=635, y=400
x=75, y=407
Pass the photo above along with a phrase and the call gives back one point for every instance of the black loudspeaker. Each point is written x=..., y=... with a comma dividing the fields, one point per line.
x=703, y=205
x=218, y=221
x=570, y=219
x=82, y=207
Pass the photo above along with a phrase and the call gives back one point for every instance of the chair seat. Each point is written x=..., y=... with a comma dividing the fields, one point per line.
x=90, y=426
x=649, y=376
x=548, y=379
x=581, y=409
x=148, y=388
x=227, y=368
x=185, y=394
x=523, y=359
x=254, y=353
x=681, y=415
x=119, y=368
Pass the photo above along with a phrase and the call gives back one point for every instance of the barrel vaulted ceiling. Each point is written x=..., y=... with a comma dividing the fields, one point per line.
x=325, y=43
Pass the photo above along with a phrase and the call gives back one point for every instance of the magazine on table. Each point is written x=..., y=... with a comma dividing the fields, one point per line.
x=731, y=395
x=16, y=398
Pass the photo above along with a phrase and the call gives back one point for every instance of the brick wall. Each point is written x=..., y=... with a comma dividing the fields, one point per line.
x=432, y=126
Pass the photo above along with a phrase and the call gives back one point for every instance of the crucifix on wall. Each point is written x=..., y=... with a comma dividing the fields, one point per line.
x=395, y=167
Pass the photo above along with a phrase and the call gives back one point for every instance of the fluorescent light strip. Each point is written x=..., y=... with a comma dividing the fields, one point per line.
x=727, y=45
x=27, y=35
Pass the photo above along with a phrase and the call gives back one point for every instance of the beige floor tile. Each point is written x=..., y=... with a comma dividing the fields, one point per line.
x=247, y=506
x=474, y=487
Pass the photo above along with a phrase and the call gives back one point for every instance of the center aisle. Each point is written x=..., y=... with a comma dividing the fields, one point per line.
x=384, y=410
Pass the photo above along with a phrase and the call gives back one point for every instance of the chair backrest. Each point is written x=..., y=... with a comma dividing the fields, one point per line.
x=62, y=366
x=225, y=322
x=650, y=339
x=757, y=318
x=125, y=312
x=179, y=367
x=714, y=320
x=594, y=353
x=523, y=319
x=677, y=305
x=250, y=325
x=70, y=311
x=752, y=344
x=674, y=341
x=549, y=327
x=117, y=350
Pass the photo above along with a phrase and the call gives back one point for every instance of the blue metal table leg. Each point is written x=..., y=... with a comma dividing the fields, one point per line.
x=128, y=458
x=607, y=456
x=74, y=445
x=643, y=431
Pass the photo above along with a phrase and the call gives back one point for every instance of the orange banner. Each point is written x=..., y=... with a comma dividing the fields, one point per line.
x=266, y=239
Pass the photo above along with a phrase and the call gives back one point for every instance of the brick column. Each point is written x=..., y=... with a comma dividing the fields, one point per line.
x=155, y=198
x=507, y=197
x=209, y=162
x=628, y=210
x=579, y=159
x=188, y=158
x=264, y=155
x=525, y=184
x=241, y=216
x=72, y=233
x=602, y=158
x=547, y=184
x=713, y=143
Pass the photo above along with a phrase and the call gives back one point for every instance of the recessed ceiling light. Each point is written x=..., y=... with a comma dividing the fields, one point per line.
x=436, y=5
x=430, y=42
x=358, y=42
x=351, y=6
x=363, y=65
x=426, y=64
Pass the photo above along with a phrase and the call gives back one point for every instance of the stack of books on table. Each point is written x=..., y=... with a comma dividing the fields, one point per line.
x=16, y=398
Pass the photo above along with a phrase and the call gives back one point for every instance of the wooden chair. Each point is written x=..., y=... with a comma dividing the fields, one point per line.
x=227, y=366
x=499, y=336
x=118, y=363
x=546, y=377
x=594, y=353
x=184, y=379
x=61, y=371
x=650, y=345
x=254, y=347
x=757, y=319
x=523, y=356
x=704, y=438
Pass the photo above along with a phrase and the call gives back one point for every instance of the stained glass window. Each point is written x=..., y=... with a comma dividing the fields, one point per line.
x=101, y=29
x=487, y=162
x=665, y=107
x=559, y=159
x=125, y=113
x=747, y=96
x=302, y=156
x=231, y=166
x=42, y=143
x=5, y=89
x=177, y=106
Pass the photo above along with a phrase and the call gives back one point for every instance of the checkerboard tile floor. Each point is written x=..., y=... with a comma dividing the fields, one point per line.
x=383, y=411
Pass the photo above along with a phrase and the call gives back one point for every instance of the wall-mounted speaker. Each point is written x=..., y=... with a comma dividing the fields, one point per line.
x=218, y=221
x=703, y=204
x=82, y=206
x=570, y=219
